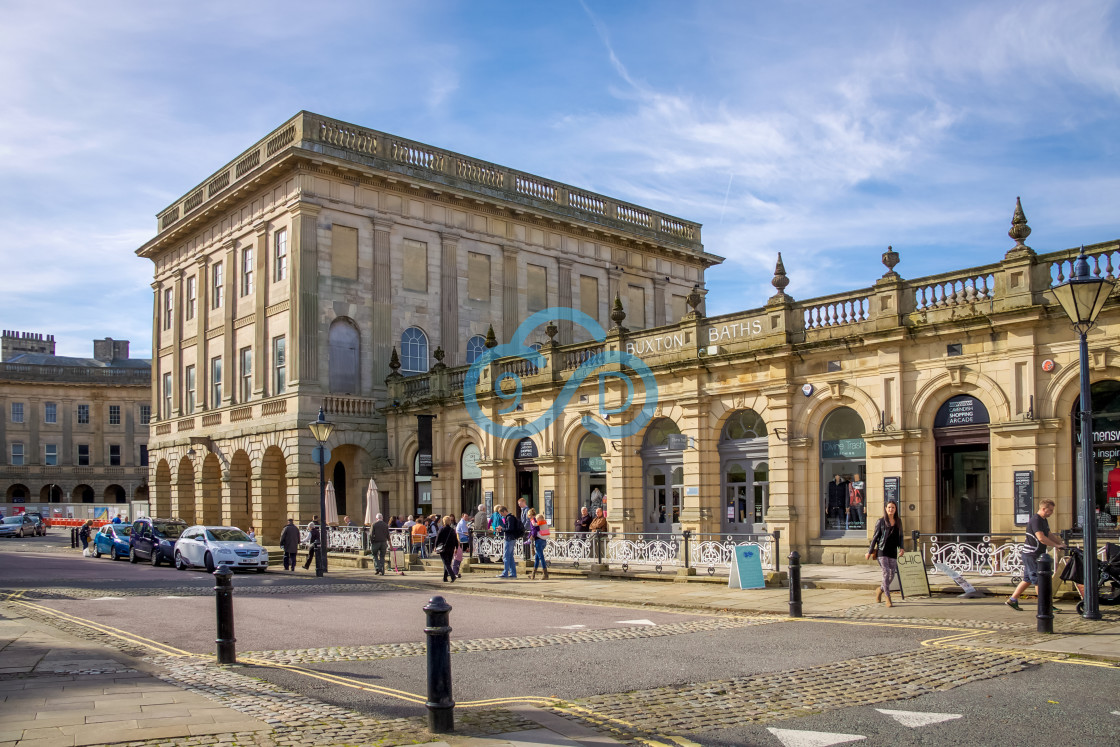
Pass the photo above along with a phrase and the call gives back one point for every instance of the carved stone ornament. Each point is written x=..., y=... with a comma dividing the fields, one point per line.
x=618, y=314
x=395, y=363
x=694, y=299
x=890, y=259
x=551, y=330
x=491, y=338
x=1019, y=229
x=439, y=355
x=780, y=280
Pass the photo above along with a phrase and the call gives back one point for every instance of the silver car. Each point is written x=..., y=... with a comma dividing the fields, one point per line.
x=210, y=547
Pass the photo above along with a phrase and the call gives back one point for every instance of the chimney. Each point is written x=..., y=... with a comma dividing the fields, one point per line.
x=109, y=350
x=15, y=343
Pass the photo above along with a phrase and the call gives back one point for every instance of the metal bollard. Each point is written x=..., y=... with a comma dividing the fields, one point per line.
x=223, y=599
x=73, y=536
x=441, y=708
x=795, y=584
x=1045, y=594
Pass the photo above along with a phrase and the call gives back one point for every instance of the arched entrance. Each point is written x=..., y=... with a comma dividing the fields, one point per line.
x=470, y=486
x=51, y=493
x=338, y=480
x=592, y=472
x=744, y=472
x=663, y=477
x=525, y=466
x=115, y=494
x=240, y=490
x=1105, y=398
x=270, y=518
x=184, y=491
x=82, y=494
x=17, y=493
x=960, y=430
x=161, y=501
x=210, y=502
x=843, y=466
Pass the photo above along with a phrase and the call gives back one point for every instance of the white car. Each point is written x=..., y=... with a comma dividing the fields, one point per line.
x=210, y=547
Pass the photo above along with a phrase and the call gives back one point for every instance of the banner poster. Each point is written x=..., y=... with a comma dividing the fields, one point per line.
x=970, y=591
x=746, y=568
x=424, y=442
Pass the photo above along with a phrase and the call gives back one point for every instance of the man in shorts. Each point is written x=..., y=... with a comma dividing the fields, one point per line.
x=1039, y=537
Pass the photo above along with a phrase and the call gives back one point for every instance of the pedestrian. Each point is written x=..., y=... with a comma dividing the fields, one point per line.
x=481, y=525
x=886, y=545
x=583, y=523
x=1039, y=537
x=117, y=519
x=512, y=531
x=252, y=534
x=434, y=524
x=599, y=524
x=313, y=549
x=378, y=544
x=447, y=542
x=289, y=542
x=536, y=525
x=350, y=522
x=84, y=533
x=394, y=522
x=419, y=534
x=463, y=532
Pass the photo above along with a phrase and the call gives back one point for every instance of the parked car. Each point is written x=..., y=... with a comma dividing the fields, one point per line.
x=40, y=524
x=19, y=525
x=112, y=540
x=210, y=547
x=154, y=540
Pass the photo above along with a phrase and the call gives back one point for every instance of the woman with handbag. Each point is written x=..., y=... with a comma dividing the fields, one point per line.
x=446, y=545
x=886, y=545
x=538, y=532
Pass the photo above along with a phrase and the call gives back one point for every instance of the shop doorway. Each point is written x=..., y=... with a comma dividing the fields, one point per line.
x=592, y=473
x=524, y=461
x=843, y=467
x=663, y=475
x=745, y=473
x=470, y=488
x=963, y=466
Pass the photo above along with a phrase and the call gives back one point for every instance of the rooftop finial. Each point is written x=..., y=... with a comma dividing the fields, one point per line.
x=491, y=338
x=1019, y=230
x=890, y=259
x=618, y=314
x=780, y=281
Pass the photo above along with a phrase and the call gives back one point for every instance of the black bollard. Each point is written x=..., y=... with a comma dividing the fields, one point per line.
x=73, y=536
x=1045, y=594
x=223, y=598
x=795, y=584
x=441, y=708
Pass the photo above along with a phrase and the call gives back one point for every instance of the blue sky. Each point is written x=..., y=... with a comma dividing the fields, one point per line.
x=824, y=130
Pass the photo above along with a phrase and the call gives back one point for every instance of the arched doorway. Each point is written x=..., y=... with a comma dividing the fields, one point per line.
x=525, y=465
x=210, y=502
x=51, y=493
x=843, y=467
x=663, y=477
x=270, y=516
x=470, y=486
x=82, y=494
x=960, y=430
x=421, y=490
x=338, y=480
x=161, y=501
x=184, y=491
x=18, y=493
x=592, y=472
x=240, y=489
x=1105, y=398
x=115, y=494
x=743, y=450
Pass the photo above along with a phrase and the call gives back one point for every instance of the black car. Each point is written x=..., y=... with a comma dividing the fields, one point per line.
x=154, y=540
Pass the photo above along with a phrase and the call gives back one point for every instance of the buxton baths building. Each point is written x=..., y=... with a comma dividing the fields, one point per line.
x=955, y=394
x=286, y=279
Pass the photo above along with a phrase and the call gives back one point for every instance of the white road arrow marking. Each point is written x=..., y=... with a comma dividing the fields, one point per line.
x=637, y=622
x=1116, y=713
x=914, y=719
x=104, y=599
x=793, y=738
x=567, y=627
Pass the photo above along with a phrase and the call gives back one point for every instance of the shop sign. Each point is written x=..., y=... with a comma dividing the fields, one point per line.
x=488, y=499
x=526, y=449
x=912, y=575
x=593, y=464
x=961, y=410
x=746, y=568
x=548, y=501
x=892, y=487
x=843, y=448
x=1024, y=495
x=663, y=344
x=729, y=332
x=471, y=470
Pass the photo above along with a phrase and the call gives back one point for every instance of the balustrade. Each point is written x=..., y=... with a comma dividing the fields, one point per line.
x=274, y=407
x=1103, y=263
x=577, y=358
x=959, y=291
x=535, y=188
x=241, y=413
x=350, y=406
x=837, y=312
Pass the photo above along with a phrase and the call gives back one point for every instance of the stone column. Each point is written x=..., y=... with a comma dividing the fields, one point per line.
x=382, y=306
x=33, y=416
x=176, y=345
x=449, y=297
x=782, y=513
x=303, y=292
x=157, y=379
x=229, y=346
x=260, y=305
x=202, y=347
x=510, y=295
x=697, y=512
x=659, y=302
x=564, y=287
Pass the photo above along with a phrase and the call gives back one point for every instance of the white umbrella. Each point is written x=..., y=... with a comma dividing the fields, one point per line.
x=332, y=506
x=373, y=502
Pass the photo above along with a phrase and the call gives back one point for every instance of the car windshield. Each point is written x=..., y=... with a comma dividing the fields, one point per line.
x=171, y=531
x=122, y=529
x=13, y=519
x=227, y=535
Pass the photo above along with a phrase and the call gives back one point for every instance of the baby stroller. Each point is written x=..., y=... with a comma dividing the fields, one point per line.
x=1108, y=575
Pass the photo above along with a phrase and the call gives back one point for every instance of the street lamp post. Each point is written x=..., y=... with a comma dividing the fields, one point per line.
x=1082, y=297
x=321, y=430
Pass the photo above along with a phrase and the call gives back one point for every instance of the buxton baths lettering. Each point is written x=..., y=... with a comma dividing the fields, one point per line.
x=677, y=340
x=663, y=344
x=731, y=331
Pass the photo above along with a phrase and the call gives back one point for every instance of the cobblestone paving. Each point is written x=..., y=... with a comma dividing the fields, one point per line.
x=393, y=650
x=777, y=696
x=1066, y=622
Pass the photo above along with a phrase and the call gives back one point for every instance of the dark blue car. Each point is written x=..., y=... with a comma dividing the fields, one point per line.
x=112, y=540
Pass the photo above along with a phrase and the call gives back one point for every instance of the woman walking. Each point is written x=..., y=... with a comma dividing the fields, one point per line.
x=446, y=545
x=537, y=525
x=886, y=545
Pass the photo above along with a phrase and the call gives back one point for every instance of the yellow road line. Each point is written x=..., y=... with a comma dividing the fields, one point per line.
x=134, y=638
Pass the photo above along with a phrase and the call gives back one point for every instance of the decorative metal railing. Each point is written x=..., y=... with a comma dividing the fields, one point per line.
x=976, y=554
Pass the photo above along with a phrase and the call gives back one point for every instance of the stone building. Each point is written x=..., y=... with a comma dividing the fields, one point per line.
x=955, y=394
x=74, y=430
x=286, y=280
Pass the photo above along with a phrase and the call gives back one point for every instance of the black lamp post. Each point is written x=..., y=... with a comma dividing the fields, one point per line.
x=1082, y=297
x=321, y=430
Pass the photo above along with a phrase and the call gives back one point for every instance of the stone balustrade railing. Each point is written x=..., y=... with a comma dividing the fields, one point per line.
x=314, y=133
x=76, y=374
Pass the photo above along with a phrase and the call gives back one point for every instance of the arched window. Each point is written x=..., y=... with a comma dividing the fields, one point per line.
x=843, y=466
x=743, y=424
x=659, y=432
x=743, y=448
x=344, y=357
x=414, y=351
x=476, y=346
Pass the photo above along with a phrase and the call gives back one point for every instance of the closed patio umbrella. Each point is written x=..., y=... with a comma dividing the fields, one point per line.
x=331, y=519
x=373, y=503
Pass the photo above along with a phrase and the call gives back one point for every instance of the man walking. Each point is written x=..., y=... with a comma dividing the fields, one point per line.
x=511, y=533
x=379, y=543
x=1039, y=537
x=481, y=524
x=312, y=542
x=289, y=541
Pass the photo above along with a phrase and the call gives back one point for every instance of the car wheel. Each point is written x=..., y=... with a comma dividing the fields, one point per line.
x=115, y=554
x=209, y=561
x=179, y=562
x=21, y=534
x=96, y=550
x=132, y=558
x=155, y=557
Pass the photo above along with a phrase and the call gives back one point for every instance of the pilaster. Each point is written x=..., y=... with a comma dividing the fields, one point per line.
x=449, y=297
x=260, y=304
x=303, y=292
x=202, y=364
x=381, y=307
x=510, y=294
x=229, y=307
x=176, y=345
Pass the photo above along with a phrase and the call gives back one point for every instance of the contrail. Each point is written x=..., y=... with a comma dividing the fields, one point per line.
x=725, y=196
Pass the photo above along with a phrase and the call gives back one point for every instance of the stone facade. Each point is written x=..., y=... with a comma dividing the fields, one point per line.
x=302, y=264
x=74, y=430
x=947, y=389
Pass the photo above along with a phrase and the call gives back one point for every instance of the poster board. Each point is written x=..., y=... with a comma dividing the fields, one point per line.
x=489, y=501
x=746, y=568
x=548, y=505
x=892, y=489
x=912, y=575
x=969, y=590
x=1024, y=496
